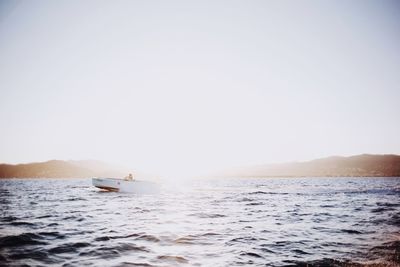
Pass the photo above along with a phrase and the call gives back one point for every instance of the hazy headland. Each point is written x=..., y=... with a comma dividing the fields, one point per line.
x=61, y=169
x=364, y=165
x=354, y=166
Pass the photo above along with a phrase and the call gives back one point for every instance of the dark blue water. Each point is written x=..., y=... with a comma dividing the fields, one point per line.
x=225, y=222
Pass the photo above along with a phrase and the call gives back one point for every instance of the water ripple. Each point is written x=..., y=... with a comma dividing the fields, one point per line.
x=233, y=222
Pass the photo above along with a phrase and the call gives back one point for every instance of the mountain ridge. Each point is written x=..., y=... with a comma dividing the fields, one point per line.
x=364, y=165
x=60, y=169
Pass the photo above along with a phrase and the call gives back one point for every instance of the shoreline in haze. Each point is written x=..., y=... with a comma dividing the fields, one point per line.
x=364, y=165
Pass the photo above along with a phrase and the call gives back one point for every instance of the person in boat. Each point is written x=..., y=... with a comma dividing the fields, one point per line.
x=129, y=177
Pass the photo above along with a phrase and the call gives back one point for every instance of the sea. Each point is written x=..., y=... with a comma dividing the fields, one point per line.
x=205, y=222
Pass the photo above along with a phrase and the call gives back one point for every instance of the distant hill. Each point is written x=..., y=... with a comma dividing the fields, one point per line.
x=60, y=169
x=360, y=165
x=357, y=166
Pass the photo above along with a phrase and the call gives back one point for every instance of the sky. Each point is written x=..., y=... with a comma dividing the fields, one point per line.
x=179, y=87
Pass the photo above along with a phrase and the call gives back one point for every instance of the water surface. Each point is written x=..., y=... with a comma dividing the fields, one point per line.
x=224, y=222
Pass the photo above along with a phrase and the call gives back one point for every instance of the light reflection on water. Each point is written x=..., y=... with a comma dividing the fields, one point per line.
x=222, y=222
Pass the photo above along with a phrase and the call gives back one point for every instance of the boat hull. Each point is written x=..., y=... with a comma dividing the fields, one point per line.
x=119, y=185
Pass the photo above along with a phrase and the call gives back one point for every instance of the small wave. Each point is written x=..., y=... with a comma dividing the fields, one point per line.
x=325, y=262
x=350, y=231
x=251, y=254
x=80, y=186
x=136, y=264
x=209, y=234
x=21, y=240
x=266, y=250
x=299, y=251
x=177, y=259
x=381, y=209
x=107, y=237
x=76, y=199
x=387, y=204
x=74, y=218
x=186, y=240
x=70, y=218
x=208, y=215
x=246, y=199
x=389, y=251
x=394, y=219
x=266, y=193
x=200, y=239
x=248, y=239
x=103, y=238
x=22, y=224
x=114, y=251
x=103, y=253
x=149, y=238
x=68, y=248
x=44, y=216
x=130, y=247
x=38, y=255
x=5, y=202
x=255, y=204
x=327, y=206
x=54, y=235
x=8, y=219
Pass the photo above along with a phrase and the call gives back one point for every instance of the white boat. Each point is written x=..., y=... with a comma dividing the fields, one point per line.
x=121, y=185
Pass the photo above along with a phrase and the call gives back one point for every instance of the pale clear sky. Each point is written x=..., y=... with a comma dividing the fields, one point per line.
x=188, y=86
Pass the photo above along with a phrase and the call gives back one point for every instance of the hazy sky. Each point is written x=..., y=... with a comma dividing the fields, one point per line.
x=186, y=86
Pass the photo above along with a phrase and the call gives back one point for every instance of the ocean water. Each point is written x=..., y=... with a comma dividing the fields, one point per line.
x=221, y=222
